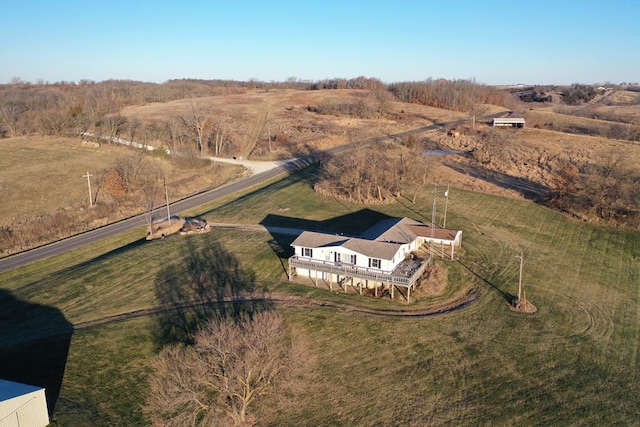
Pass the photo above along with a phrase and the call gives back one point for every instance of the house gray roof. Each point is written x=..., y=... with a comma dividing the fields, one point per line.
x=372, y=249
x=312, y=239
x=383, y=240
x=392, y=230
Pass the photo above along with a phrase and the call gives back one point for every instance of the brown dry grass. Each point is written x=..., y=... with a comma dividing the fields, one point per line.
x=544, y=118
x=531, y=152
x=45, y=196
x=436, y=281
x=288, y=112
x=40, y=175
x=622, y=97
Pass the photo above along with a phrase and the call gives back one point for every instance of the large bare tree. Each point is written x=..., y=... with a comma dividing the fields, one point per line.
x=221, y=130
x=214, y=381
x=199, y=120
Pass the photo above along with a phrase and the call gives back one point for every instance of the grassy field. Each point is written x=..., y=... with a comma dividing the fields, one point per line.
x=574, y=362
x=31, y=164
x=45, y=193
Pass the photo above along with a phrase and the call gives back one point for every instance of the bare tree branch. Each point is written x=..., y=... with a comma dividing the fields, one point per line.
x=230, y=365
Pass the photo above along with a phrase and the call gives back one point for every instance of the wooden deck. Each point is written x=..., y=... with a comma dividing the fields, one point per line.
x=406, y=274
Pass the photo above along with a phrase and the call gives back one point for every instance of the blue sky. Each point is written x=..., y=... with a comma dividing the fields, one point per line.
x=495, y=42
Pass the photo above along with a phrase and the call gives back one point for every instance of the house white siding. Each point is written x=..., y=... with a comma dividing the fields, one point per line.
x=383, y=257
x=22, y=405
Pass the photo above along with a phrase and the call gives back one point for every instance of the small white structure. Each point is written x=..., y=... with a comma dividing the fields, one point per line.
x=515, y=122
x=22, y=405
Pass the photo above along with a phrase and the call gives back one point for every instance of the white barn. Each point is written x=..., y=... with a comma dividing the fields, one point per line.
x=515, y=122
x=22, y=405
x=381, y=257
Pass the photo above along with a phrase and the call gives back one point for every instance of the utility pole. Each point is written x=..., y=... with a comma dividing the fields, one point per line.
x=521, y=256
x=433, y=221
x=446, y=202
x=88, y=176
x=166, y=195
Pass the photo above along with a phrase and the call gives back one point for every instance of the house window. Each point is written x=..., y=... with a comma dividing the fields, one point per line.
x=351, y=259
x=307, y=252
x=374, y=263
x=338, y=257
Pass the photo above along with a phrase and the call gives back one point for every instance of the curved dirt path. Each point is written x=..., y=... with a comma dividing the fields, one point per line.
x=287, y=301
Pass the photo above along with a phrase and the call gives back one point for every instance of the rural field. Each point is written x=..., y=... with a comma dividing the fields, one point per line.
x=574, y=362
x=562, y=192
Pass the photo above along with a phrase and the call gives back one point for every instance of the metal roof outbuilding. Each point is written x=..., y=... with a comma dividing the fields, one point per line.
x=22, y=405
x=516, y=122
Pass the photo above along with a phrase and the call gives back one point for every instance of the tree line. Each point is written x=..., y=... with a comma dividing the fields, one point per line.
x=606, y=191
x=69, y=108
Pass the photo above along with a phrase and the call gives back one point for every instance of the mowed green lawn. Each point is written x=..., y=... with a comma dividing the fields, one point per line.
x=574, y=362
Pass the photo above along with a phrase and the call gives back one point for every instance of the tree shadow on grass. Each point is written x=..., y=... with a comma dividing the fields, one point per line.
x=34, y=344
x=206, y=283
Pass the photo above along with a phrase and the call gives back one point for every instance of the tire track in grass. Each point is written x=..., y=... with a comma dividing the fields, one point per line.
x=460, y=376
x=622, y=340
x=636, y=341
x=283, y=300
x=592, y=321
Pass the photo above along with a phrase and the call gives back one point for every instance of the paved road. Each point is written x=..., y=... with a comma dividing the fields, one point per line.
x=73, y=242
x=42, y=252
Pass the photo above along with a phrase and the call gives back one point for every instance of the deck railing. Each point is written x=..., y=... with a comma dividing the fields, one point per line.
x=396, y=276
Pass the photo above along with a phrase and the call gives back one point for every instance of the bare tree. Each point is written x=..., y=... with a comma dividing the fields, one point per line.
x=176, y=139
x=565, y=177
x=383, y=100
x=198, y=119
x=369, y=176
x=230, y=365
x=476, y=111
x=150, y=179
x=611, y=188
x=221, y=133
x=494, y=146
x=113, y=125
x=10, y=113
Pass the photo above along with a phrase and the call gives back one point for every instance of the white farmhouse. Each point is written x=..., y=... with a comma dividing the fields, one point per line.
x=382, y=257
